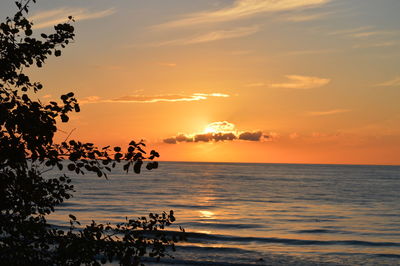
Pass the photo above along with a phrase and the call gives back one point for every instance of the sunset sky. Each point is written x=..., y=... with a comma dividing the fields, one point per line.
x=274, y=81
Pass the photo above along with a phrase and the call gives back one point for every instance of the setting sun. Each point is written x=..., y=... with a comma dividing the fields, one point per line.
x=222, y=127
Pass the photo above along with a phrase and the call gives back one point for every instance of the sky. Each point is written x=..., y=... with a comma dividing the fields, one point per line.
x=268, y=81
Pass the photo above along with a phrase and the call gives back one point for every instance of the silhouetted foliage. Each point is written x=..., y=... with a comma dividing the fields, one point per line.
x=27, y=129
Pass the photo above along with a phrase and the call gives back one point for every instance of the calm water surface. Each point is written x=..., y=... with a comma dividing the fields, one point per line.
x=262, y=214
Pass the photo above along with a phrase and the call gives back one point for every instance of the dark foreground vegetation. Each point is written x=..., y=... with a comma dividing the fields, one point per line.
x=27, y=150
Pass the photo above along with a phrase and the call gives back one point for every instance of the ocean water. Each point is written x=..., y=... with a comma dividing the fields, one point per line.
x=256, y=214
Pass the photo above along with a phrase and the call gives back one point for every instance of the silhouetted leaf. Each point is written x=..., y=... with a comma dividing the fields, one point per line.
x=118, y=156
x=155, y=165
x=141, y=150
x=154, y=153
x=126, y=167
x=64, y=118
x=71, y=167
x=137, y=166
x=133, y=143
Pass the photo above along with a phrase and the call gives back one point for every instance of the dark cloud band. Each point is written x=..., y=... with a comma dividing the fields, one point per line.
x=216, y=137
x=251, y=136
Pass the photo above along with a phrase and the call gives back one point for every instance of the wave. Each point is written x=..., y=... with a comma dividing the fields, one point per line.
x=321, y=231
x=194, y=237
x=222, y=256
x=200, y=249
x=221, y=225
x=199, y=237
x=391, y=232
x=186, y=206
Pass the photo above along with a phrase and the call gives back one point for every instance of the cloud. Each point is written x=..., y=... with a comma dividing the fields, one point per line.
x=224, y=136
x=214, y=137
x=302, y=82
x=255, y=84
x=212, y=36
x=221, y=126
x=312, y=52
x=155, y=99
x=294, y=135
x=251, y=136
x=213, y=95
x=167, y=64
x=158, y=98
x=329, y=112
x=241, y=52
x=375, y=45
x=390, y=83
x=52, y=17
x=306, y=17
x=363, y=32
x=203, y=137
x=242, y=9
x=367, y=34
x=183, y=138
x=350, y=31
x=170, y=141
x=219, y=132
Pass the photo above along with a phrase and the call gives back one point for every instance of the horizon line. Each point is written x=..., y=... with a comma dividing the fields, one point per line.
x=339, y=164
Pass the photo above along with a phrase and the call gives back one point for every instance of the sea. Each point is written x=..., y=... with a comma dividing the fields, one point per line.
x=255, y=214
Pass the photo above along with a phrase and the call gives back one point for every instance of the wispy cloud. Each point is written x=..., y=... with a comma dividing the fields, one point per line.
x=155, y=99
x=306, y=17
x=301, y=82
x=294, y=135
x=390, y=83
x=52, y=17
x=363, y=32
x=242, y=9
x=241, y=52
x=312, y=52
x=255, y=84
x=351, y=31
x=212, y=36
x=218, y=132
x=328, y=112
x=375, y=45
x=367, y=34
x=167, y=64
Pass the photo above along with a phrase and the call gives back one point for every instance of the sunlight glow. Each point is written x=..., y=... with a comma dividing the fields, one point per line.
x=210, y=130
x=219, y=127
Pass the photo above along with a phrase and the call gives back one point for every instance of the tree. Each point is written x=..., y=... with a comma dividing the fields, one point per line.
x=27, y=150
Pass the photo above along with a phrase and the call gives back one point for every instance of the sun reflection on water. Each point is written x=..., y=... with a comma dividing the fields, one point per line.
x=207, y=214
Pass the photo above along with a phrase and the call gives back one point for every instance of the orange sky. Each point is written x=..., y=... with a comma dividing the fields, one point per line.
x=310, y=81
